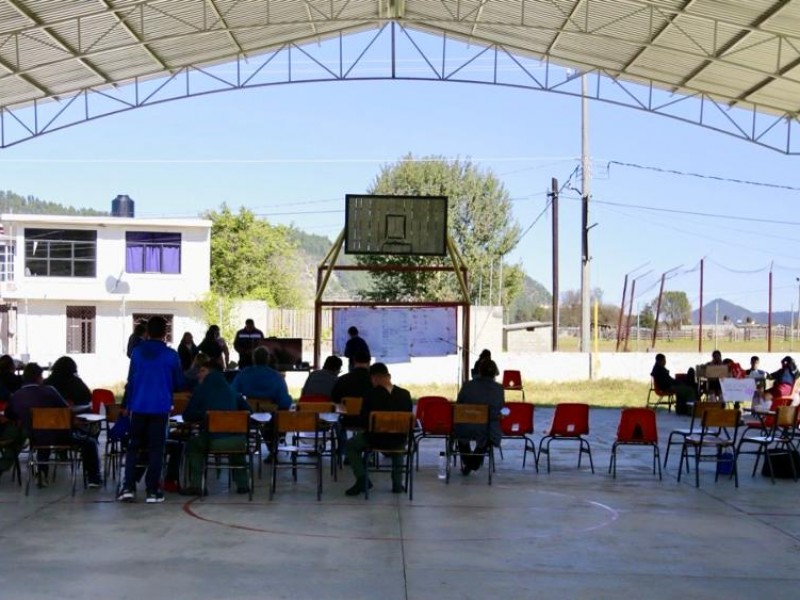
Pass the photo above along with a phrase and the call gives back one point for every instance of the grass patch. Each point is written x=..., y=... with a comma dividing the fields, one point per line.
x=610, y=393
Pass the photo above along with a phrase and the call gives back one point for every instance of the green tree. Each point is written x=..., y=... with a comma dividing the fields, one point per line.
x=675, y=309
x=647, y=317
x=252, y=259
x=479, y=221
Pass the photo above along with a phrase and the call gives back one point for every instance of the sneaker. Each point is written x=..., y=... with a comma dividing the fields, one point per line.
x=357, y=488
x=94, y=485
x=126, y=495
x=155, y=497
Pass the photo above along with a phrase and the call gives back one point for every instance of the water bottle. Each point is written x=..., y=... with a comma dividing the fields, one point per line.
x=442, y=466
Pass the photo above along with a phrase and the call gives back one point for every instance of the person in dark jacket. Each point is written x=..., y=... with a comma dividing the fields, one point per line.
x=153, y=376
x=481, y=390
x=663, y=381
x=10, y=382
x=187, y=350
x=64, y=377
x=137, y=337
x=356, y=344
x=35, y=394
x=354, y=384
x=214, y=346
x=213, y=393
x=383, y=396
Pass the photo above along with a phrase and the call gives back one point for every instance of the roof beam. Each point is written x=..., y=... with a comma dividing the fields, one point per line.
x=686, y=6
x=734, y=41
x=575, y=8
x=766, y=81
x=65, y=46
x=221, y=19
x=27, y=79
x=121, y=20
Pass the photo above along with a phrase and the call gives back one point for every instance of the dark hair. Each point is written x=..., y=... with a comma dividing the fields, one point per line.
x=157, y=327
x=362, y=356
x=379, y=369
x=660, y=356
x=64, y=366
x=353, y=330
x=140, y=328
x=249, y=322
x=754, y=359
x=332, y=363
x=488, y=368
x=210, y=332
x=261, y=356
x=32, y=373
x=485, y=353
x=7, y=364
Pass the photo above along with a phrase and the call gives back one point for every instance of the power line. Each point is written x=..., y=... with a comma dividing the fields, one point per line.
x=777, y=186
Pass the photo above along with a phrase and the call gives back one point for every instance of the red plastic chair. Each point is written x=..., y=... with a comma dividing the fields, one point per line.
x=637, y=427
x=101, y=397
x=512, y=381
x=518, y=425
x=434, y=420
x=768, y=420
x=570, y=423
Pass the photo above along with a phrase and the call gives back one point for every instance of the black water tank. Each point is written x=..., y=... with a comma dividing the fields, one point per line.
x=122, y=206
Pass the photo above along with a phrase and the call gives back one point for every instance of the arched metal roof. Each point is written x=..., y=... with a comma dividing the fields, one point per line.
x=742, y=53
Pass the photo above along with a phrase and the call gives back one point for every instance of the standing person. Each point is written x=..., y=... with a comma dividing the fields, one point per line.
x=64, y=377
x=187, y=350
x=214, y=346
x=321, y=381
x=154, y=374
x=354, y=345
x=247, y=340
x=138, y=335
x=383, y=396
x=481, y=390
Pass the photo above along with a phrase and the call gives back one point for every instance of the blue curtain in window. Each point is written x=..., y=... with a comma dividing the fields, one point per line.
x=148, y=252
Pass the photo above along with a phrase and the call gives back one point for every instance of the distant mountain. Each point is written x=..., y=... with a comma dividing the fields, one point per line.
x=343, y=285
x=720, y=309
x=30, y=205
x=533, y=303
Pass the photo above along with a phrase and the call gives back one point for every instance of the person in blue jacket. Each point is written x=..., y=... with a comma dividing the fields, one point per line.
x=154, y=374
x=262, y=381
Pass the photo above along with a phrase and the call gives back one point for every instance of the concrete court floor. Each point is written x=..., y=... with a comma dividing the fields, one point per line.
x=569, y=534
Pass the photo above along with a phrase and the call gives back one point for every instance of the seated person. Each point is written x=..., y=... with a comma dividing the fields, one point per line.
x=9, y=380
x=481, y=390
x=382, y=396
x=484, y=355
x=664, y=382
x=783, y=380
x=755, y=372
x=34, y=394
x=262, y=381
x=321, y=381
x=64, y=377
x=192, y=374
x=353, y=384
x=213, y=393
x=713, y=387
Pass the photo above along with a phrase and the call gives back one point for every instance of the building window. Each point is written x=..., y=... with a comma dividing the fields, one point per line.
x=80, y=329
x=143, y=317
x=152, y=252
x=6, y=260
x=60, y=252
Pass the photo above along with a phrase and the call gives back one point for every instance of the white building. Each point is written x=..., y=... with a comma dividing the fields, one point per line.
x=77, y=285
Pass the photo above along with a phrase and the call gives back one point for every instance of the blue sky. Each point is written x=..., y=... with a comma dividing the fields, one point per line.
x=291, y=153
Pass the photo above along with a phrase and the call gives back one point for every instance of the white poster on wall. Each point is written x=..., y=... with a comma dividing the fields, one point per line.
x=395, y=334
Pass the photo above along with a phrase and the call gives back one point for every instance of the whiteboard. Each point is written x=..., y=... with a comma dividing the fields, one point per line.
x=396, y=334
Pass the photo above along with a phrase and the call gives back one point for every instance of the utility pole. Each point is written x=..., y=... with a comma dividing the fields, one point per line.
x=554, y=205
x=585, y=181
